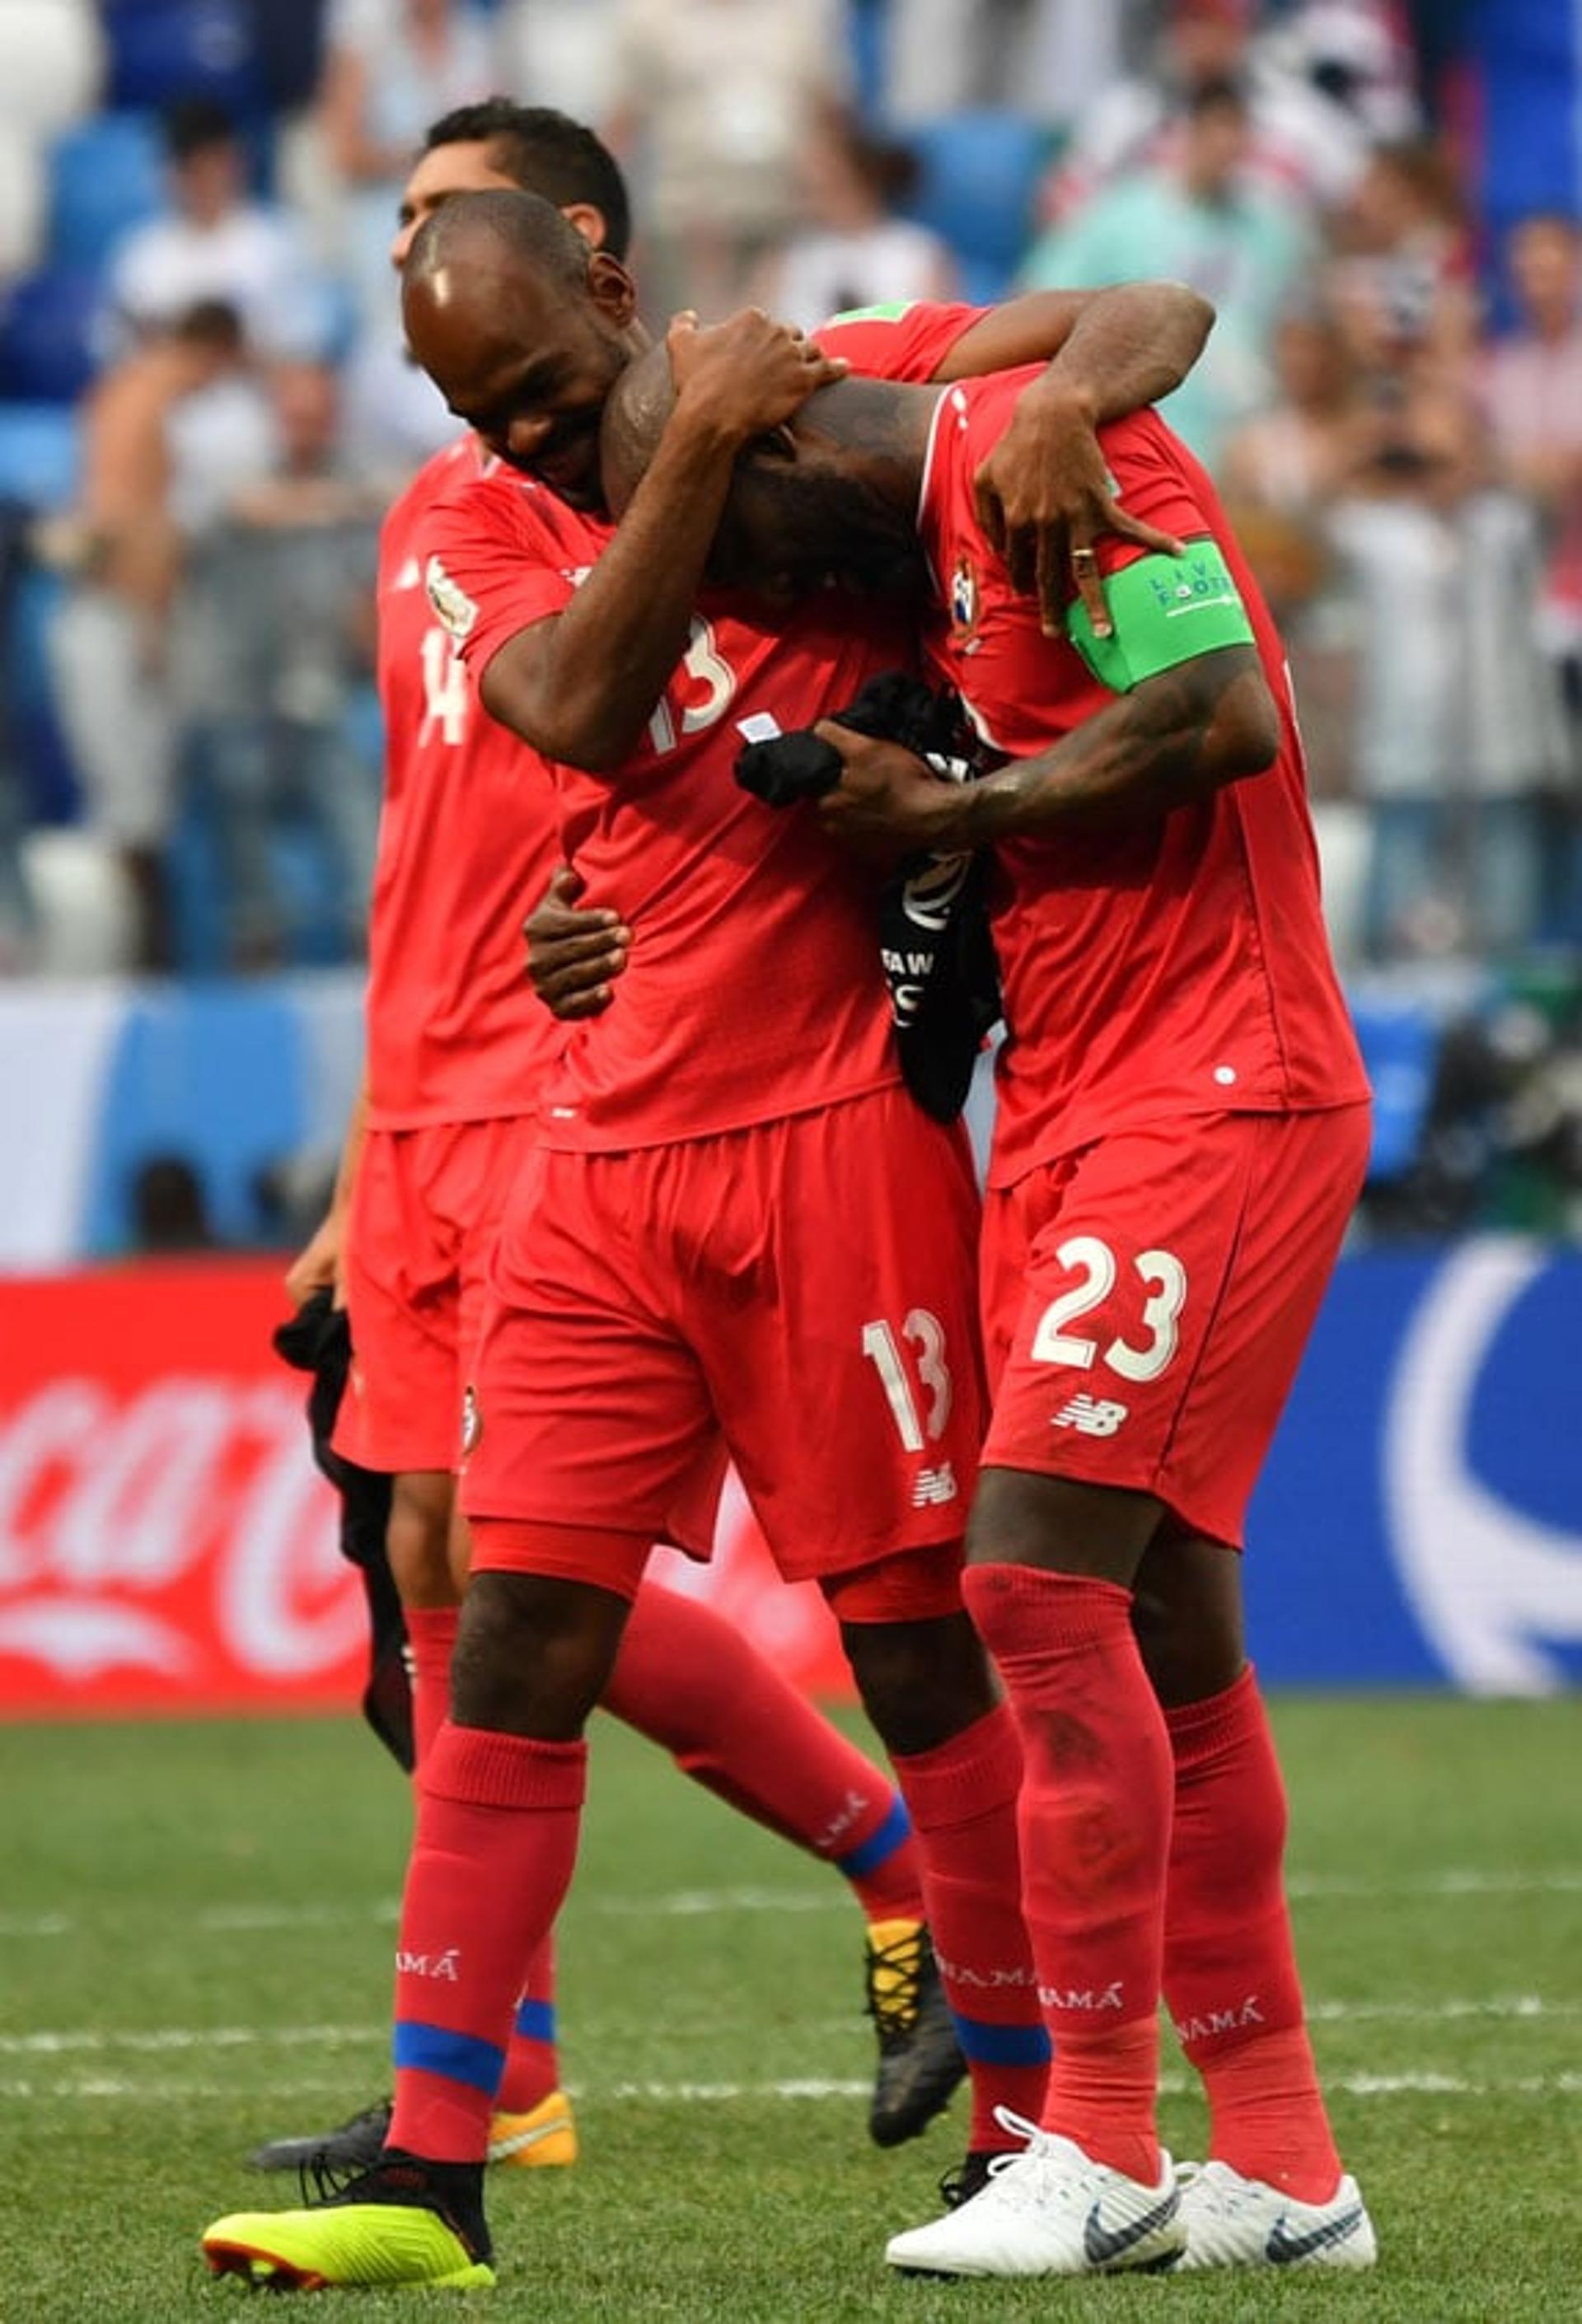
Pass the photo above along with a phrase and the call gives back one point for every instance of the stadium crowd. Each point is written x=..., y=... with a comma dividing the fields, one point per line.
x=205, y=403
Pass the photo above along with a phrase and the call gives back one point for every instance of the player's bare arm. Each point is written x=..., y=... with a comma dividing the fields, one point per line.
x=1174, y=738
x=582, y=685
x=322, y=1259
x=1045, y=493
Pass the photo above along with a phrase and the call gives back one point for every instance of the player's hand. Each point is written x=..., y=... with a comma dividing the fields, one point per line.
x=574, y=954
x=887, y=803
x=320, y=1262
x=1044, y=497
x=747, y=374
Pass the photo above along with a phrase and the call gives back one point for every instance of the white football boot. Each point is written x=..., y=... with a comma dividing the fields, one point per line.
x=1236, y=2222
x=1051, y=2210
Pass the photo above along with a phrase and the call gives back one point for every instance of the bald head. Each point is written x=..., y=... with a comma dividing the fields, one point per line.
x=827, y=496
x=523, y=328
x=495, y=232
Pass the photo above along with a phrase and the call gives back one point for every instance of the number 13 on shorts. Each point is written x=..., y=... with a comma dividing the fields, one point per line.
x=924, y=1335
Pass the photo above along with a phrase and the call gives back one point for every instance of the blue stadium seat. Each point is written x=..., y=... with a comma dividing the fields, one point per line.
x=105, y=178
x=161, y=49
x=32, y=723
x=39, y=455
x=979, y=174
x=1400, y=1042
x=302, y=877
x=215, y=1073
x=47, y=326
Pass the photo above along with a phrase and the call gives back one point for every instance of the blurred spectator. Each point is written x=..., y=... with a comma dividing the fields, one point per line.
x=16, y=904
x=218, y=243
x=390, y=67
x=1457, y=739
x=715, y=100
x=1293, y=456
x=1531, y=386
x=1400, y=279
x=170, y=1213
x=1280, y=474
x=854, y=251
x=1324, y=87
x=111, y=643
x=1051, y=58
x=1202, y=219
x=561, y=53
x=275, y=629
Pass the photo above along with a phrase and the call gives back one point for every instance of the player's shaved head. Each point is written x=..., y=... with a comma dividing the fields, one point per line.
x=522, y=328
x=478, y=236
x=828, y=495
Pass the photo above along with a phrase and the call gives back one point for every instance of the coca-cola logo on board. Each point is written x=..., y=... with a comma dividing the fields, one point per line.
x=163, y=1529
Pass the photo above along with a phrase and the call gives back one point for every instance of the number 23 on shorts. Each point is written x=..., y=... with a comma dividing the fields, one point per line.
x=1138, y=1353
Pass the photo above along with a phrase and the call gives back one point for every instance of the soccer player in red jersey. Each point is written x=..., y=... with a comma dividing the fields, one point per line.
x=1182, y=1131
x=455, y=1050
x=700, y=1245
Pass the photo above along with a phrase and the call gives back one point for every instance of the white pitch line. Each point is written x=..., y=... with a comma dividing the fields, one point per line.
x=154, y=2040
x=244, y=1919
x=188, y=2037
x=1453, y=1881
x=1358, y=2086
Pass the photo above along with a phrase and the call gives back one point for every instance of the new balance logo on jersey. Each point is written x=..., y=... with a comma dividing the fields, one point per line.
x=1091, y=1416
x=934, y=1487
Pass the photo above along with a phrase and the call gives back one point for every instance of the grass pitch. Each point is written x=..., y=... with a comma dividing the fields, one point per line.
x=195, y=1934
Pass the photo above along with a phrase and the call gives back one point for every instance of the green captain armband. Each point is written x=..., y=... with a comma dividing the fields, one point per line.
x=886, y=310
x=1166, y=610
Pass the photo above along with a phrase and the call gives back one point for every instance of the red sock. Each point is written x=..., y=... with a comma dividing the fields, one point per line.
x=498, y=1817
x=963, y=1797
x=431, y=1636
x=1095, y=1828
x=691, y=1683
x=532, y=2068
x=1230, y=1974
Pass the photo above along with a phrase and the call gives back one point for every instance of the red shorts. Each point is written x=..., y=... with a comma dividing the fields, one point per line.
x=1146, y=1301
x=426, y=1208
x=800, y=1291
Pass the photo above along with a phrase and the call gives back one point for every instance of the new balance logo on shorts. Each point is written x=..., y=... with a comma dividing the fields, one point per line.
x=1090, y=1415
x=934, y=1487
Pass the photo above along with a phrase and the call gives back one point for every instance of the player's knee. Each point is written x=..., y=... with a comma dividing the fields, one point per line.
x=1187, y=1619
x=418, y=1539
x=533, y=1654
x=1060, y=1525
x=922, y=1682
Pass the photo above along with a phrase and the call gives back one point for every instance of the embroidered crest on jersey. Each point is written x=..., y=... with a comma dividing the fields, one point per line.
x=452, y=605
x=963, y=599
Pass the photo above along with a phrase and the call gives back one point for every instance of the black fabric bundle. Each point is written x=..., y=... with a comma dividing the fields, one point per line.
x=318, y=1339
x=934, y=940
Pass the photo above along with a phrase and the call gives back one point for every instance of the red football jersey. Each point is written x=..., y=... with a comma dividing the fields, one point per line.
x=1178, y=966
x=753, y=988
x=470, y=828
x=468, y=837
